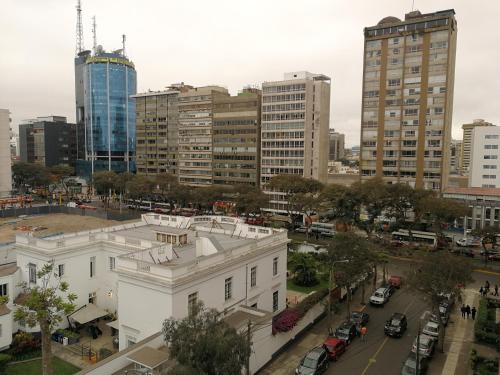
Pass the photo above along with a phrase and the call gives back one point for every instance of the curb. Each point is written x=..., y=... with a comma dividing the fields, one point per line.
x=487, y=272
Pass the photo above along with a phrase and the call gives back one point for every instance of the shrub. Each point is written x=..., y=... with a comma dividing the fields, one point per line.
x=4, y=360
x=24, y=342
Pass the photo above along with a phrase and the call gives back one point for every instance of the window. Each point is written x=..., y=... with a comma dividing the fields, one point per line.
x=92, y=297
x=489, y=176
x=275, y=266
x=415, y=69
x=253, y=276
x=32, y=272
x=228, y=288
x=491, y=147
x=60, y=270
x=491, y=136
x=4, y=290
x=192, y=301
x=394, y=82
x=112, y=263
x=92, y=266
x=489, y=166
x=275, y=301
x=491, y=157
x=130, y=341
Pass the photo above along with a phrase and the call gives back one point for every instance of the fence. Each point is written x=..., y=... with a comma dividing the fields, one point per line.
x=45, y=210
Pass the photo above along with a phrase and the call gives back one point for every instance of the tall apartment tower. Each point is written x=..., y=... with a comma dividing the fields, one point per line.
x=295, y=126
x=408, y=80
x=195, y=135
x=484, y=168
x=157, y=118
x=467, y=142
x=455, y=157
x=336, y=145
x=5, y=163
x=236, y=138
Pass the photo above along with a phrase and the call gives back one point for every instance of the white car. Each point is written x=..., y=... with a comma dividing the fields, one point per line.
x=380, y=297
x=426, y=345
x=431, y=329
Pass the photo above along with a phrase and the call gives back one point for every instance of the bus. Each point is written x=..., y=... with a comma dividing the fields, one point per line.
x=158, y=207
x=428, y=238
x=325, y=229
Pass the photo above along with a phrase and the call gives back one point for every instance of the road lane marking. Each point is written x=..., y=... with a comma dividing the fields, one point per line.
x=374, y=358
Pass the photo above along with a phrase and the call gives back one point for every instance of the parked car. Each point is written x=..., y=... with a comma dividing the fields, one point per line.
x=346, y=331
x=465, y=242
x=335, y=347
x=396, y=326
x=426, y=345
x=314, y=362
x=390, y=288
x=431, y=329
x=396, y=281
x=410, y=365
x=361, y=318
x=466, y=252
x=490, y=252
x=380, y=297
x=494, y=257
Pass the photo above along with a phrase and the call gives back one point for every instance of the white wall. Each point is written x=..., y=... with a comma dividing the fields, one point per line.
x=481, y=168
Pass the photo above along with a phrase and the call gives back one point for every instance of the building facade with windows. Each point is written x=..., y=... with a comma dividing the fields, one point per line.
x=236, y=138
x=195, y=139
x=5, y=162
x=467, y=142
x=295, y=129
x=484, y=167
x=105, y=83
x=48, y=141
x=336, y=145
x=157, y=118
x=408, y=80
x=455, y=157
x=158, y=268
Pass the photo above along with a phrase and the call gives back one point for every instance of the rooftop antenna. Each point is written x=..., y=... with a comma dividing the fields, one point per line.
x=94, y=34
x=79, y=28
x=124, y=38
x=412, y=5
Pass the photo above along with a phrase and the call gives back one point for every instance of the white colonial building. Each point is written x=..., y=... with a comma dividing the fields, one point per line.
x=156, y=268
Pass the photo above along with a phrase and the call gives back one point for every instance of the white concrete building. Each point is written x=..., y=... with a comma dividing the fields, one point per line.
x=154, y=269
x=5, y=164
x=484, y=169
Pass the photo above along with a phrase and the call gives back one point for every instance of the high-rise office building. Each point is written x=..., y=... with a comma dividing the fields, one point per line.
x=5, y=163
x=408, y=80
x=109, y=82
x=467, y=142
x=195, y=135
x=484, y=168
x=157, y=130
x=236, y=138
x=455, y=157
x=48, y=141
x=295, y=126
x=336, y=145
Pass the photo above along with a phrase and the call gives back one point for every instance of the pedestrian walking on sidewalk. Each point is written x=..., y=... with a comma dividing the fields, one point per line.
x=463, y=310
x=473, y=312
x=364, y=331
x=481, y=291
x=496, y=290
x=487, y=286
x=467, y=311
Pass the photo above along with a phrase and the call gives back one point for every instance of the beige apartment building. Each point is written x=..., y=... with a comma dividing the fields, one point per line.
x=157, y=117
x=467, y=142
x=407, y=104
x=295, y=129
x=236, y=138
x=195, y=135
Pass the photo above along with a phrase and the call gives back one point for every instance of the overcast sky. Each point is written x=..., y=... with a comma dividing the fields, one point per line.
x=232, y=43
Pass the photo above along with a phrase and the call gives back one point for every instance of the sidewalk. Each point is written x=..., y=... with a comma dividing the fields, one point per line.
x=286, y=362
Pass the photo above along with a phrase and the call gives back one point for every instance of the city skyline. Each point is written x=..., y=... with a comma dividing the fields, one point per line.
x=162, y=59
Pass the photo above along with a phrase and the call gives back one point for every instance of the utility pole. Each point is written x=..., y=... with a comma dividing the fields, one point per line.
x=249, y=342
x=330, y=299
x=417, y=364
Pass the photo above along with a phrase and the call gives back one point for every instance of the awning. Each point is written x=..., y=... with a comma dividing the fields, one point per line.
x=88, y=313
x=148, y=357
x=114, y=324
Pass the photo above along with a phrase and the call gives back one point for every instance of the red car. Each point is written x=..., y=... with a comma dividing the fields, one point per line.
x=335, y=347
x=396, y=281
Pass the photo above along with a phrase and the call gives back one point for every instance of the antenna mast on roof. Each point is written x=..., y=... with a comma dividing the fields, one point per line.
x=412, y=5
x=123, y=44
x=79, y=28
x=94, y=34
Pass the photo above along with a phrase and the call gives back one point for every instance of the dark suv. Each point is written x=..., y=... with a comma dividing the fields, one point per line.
x=361, y=318
x=315, y=362
x=396, y=326
x=346, y=331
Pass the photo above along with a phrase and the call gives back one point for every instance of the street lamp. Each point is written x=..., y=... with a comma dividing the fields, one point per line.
x=330, y=288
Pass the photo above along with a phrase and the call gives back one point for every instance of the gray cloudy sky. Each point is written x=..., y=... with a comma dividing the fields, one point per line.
x=232, y=43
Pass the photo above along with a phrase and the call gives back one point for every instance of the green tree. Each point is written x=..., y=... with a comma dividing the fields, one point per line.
x=29, y=175
x=250, y=200
x=374, y=196
x=103, y=183
x=168, y=187
x=304, y=267
x=61, y=176
x=488, y=236
x=341, y=203
x=203, y=198
x=204, y=342
x=45, y=305
x=139, y=187
x=440, y=212
x=437, y=274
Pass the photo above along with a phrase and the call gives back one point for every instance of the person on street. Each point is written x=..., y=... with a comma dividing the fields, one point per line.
x=473, y=312
x=487, y=286
x=496, y=290
x=462, y=309
x=467, y=311
x=364, y=331
x=481, y=291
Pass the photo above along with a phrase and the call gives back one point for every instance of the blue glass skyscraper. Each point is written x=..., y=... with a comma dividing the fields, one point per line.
x=108, y=81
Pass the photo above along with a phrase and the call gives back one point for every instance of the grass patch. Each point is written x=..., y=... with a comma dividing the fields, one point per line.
x=35, y=368
x=290, y=285
x=478, y=262
x=301, y=237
